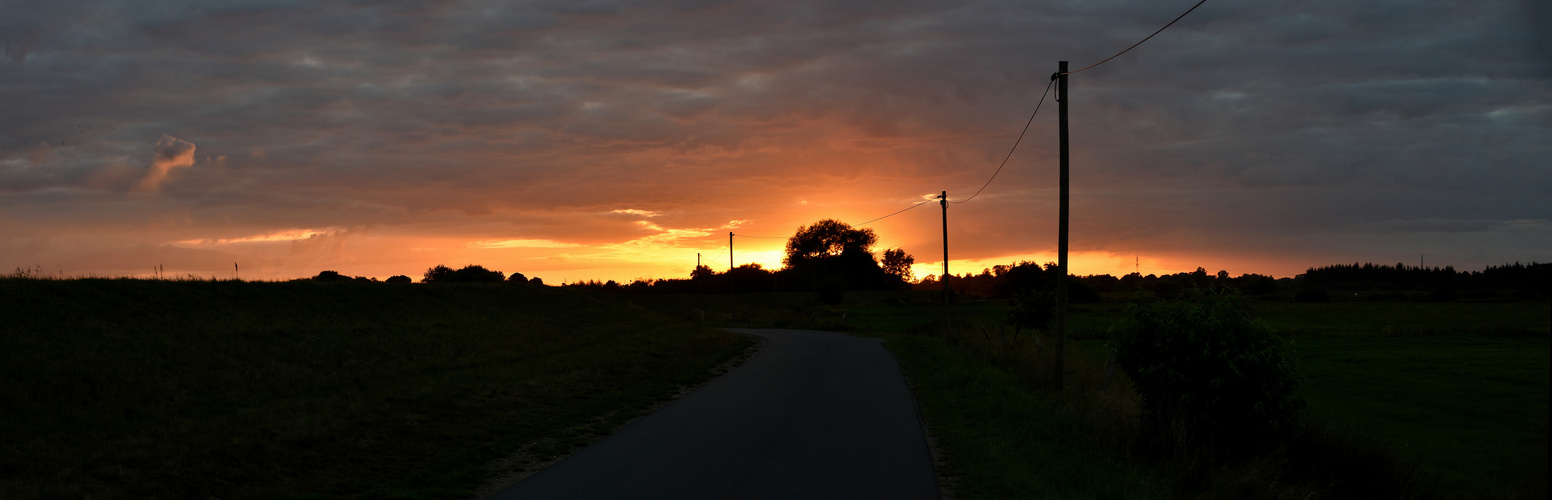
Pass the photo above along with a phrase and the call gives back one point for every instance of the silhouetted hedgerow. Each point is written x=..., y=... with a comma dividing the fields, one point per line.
x=1208, y=375
x=469, y=274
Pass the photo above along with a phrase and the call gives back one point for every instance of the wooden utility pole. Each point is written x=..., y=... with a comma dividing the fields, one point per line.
x=947, y=319
x=697, y=274
x=730, y=262
x=1061, y=238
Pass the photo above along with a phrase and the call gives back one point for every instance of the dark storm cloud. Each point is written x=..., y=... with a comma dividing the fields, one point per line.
x=1246, y=120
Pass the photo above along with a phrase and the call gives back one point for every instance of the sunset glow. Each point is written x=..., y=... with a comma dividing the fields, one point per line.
x=615, y=142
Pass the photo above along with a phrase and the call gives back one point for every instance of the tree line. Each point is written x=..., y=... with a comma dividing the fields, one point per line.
x=471, y=273
x=828, y=256
x=1515, y=277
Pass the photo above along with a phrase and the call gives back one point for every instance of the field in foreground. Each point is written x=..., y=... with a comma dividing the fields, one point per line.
x=154, y=389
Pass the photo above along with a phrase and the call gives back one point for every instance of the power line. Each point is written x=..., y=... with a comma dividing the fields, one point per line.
x=1015, y=145
x=1022, y=132
x=1118, y=54
x=897, y=212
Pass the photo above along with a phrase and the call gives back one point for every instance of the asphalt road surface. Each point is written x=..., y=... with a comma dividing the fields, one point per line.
x=812, y=415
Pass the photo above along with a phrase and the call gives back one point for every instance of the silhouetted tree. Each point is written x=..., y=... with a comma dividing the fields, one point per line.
x=469, y=274
x=438, y=274
x=517, y=278
x=832, y=249
x=898, y=264
x=399, y=279
x=827, y=239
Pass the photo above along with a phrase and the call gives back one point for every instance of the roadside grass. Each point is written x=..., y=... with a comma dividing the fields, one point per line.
x=202, y=389
x=1414, y=399
x=1004, y=440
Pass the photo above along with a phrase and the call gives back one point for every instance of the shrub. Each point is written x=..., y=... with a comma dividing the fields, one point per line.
x=331, y=276
x=1032, y=310
x=517, y=278
x=398, y=279
x=1208, y=375
x=1079, y=292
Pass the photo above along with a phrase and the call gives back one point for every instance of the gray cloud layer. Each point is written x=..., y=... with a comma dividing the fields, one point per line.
x=1312, y=132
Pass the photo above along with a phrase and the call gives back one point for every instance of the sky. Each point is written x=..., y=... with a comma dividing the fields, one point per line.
x=582, y=140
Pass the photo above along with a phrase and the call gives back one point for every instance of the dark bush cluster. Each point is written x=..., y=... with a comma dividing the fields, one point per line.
x=469, y=274
x=1209, y=376
x=336, y=276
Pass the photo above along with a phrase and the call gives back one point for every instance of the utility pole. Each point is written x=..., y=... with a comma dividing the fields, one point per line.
x=696, y=275
x=1061, y=238
x=947, y=318
x=730, y=262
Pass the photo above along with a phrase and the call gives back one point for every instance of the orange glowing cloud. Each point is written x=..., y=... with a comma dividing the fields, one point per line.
x=172, y=153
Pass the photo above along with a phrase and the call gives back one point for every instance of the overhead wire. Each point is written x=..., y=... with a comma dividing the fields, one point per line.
x=1048, y=91
x=897, y=212
x=1139, y=42
x=1025, y=130
x=1015, y=145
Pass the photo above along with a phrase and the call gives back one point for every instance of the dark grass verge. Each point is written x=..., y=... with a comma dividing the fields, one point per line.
x=152, y=389
x=1000, y=439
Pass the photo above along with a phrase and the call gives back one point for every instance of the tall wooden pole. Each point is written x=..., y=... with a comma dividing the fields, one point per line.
x=1061, y=239
x=947, y=319
x=730, y=262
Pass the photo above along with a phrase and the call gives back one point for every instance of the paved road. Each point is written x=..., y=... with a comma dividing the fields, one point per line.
x=813, y=415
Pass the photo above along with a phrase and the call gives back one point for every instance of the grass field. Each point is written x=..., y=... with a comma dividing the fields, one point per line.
x=156, y=389
x=1458, y=388
x=126, y=388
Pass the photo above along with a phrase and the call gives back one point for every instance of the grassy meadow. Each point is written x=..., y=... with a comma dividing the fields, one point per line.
x=199, y=389
x=1435, y=399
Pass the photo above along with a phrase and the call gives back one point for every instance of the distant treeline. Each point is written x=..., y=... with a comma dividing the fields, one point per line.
x=439, y=274
x=1005, y=281
x=753, y=278
x=1012, y=280
x=1516, y=277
